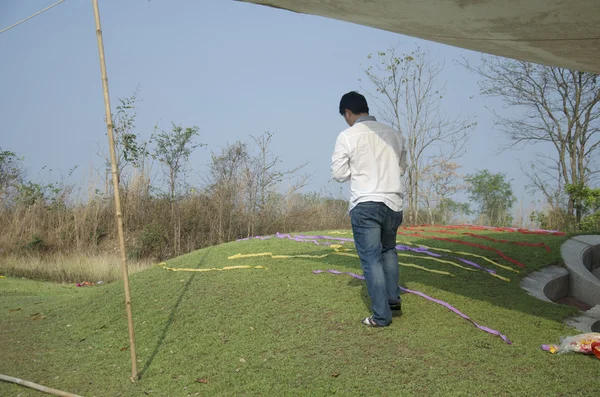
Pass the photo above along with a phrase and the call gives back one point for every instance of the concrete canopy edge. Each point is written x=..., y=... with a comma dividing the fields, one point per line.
x=558, y=33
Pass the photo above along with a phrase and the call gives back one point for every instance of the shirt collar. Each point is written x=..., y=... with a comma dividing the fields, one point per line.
x=365, y=118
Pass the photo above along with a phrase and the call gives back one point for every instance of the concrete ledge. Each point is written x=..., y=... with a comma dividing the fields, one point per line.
x=549, y=284
x=588, y=321
x=580, y=280
x=593, y=261
x=579, y=255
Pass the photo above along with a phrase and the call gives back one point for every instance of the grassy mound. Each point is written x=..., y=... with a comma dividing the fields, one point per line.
x=286, y=331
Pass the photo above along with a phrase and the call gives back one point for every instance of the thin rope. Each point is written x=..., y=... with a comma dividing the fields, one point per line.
x=31, y=16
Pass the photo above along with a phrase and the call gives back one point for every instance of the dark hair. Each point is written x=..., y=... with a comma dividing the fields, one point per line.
x=354, y=102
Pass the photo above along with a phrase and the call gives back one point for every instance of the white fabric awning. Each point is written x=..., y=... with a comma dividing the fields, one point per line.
x=564, y=33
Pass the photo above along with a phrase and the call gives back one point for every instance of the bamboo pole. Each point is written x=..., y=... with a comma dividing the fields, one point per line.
x=115, y=179
x=35, y=386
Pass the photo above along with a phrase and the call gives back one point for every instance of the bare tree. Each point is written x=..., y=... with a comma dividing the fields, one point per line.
x=409, y=97
x=245, y=185
x=559, y=108
x=224, y=184
x=263, y=177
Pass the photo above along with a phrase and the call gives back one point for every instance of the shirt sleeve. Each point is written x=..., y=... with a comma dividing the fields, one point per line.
x=340, y=160
x=403, y=156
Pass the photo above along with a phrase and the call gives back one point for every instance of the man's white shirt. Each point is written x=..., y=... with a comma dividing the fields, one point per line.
x=372, y=156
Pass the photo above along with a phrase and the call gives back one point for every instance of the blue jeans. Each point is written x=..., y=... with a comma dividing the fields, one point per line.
x=375, y=226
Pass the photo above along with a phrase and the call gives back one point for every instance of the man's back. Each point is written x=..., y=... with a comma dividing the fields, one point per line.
x=373, y=156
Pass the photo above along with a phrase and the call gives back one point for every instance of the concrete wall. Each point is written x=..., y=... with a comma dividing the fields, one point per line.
x=578, y=254
x=557, y=288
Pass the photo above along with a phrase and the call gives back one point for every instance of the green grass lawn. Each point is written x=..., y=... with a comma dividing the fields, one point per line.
x=286, y=331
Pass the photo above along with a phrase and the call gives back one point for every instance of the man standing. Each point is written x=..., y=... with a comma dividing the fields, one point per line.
x=372, y=156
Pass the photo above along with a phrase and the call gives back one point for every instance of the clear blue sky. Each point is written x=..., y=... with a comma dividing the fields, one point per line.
x=231, y=68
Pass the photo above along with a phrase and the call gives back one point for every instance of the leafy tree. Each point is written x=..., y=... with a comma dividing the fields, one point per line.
x=11, y=173
x=131, y=150
x=587, y=204
x=440, y=182
x=30, y=193
x=451, y=211
x=173, y=150
x=494, y=195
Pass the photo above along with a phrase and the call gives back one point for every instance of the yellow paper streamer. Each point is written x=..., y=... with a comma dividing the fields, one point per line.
x=240, y=256
x=461, y=253
x=428, y=258
x=455, y=264
x=183, y=269
x=404, y=264
x=340, y=248
x=347, y=254
x=489, y=261
x=424, y=268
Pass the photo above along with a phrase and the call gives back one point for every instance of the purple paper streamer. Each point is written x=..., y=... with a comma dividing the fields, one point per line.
x=421, y=250
x=346, y=239
x=439, y=302
x=468, y=262
x=424, y=250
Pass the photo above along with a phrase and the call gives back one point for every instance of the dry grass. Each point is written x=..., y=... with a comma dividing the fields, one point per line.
x=202, y=220
x=76, y=241
x=69, y=268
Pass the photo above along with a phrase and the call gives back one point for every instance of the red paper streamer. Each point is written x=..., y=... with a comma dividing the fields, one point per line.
x=495, y=229
x=485, y=247
x=521, y=243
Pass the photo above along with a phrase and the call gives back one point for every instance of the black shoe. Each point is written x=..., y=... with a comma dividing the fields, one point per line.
x=396, y=307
